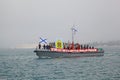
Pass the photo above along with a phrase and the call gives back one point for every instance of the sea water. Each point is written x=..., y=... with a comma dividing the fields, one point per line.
x=23, y=64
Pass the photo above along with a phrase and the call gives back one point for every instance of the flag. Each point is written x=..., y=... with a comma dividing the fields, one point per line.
x=43, y=40
x=74, y=30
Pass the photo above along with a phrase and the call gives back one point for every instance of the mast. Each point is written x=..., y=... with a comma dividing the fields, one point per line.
x=72, y=35
x=73, y=32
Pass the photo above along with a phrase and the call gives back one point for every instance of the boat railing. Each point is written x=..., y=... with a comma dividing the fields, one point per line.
x=42, y=49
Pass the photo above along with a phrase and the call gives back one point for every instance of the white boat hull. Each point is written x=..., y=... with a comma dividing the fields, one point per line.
x=54, y=54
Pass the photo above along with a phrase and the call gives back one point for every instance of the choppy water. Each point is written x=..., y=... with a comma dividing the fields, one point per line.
x=25, y=65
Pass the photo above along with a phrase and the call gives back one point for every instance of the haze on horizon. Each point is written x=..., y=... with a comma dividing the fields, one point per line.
x=25, y=21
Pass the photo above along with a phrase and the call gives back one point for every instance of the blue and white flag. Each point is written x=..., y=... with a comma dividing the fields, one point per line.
x=74, y=30
x=43, y=40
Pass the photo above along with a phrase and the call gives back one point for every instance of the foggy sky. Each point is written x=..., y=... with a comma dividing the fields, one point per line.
x=24, y=21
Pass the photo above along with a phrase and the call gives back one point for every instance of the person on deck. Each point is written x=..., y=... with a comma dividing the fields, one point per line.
x=44, y=46
x=39, y=46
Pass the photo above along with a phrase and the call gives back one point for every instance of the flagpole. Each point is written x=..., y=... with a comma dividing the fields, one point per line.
x=73, y=31
x=72, y=38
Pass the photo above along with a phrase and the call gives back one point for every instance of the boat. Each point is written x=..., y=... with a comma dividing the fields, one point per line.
x=61, y=49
